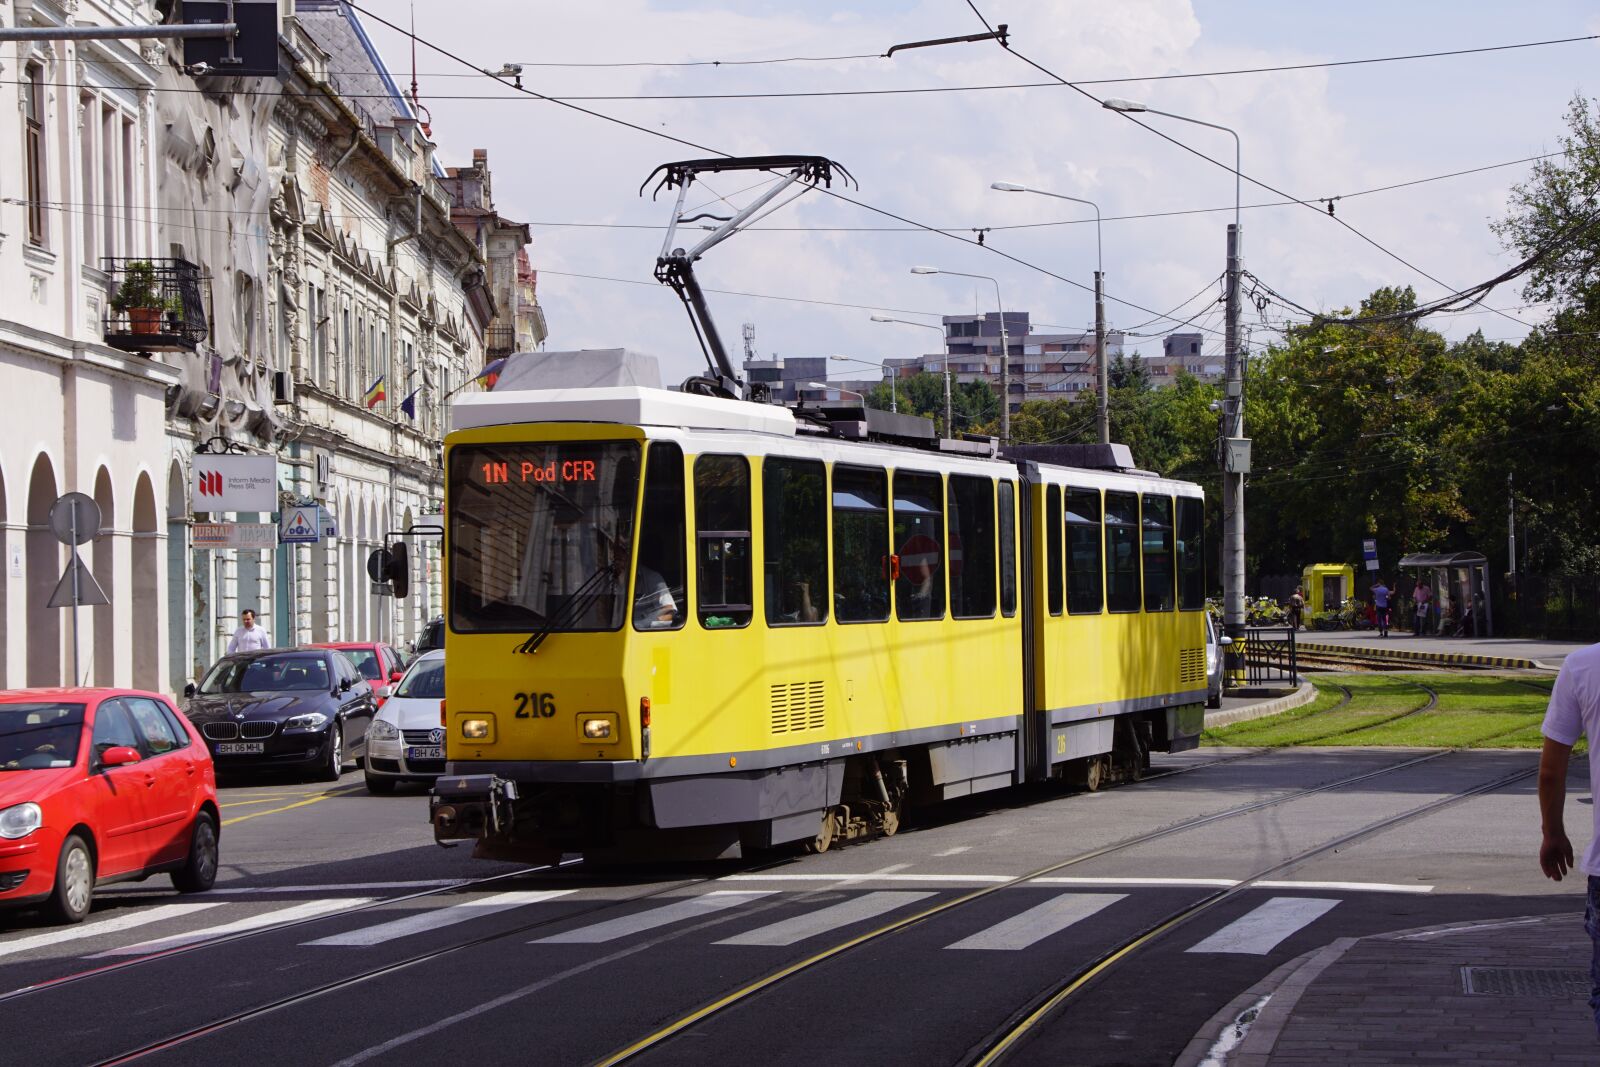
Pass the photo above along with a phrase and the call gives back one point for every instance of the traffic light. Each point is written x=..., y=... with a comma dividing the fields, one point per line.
x=391, y=565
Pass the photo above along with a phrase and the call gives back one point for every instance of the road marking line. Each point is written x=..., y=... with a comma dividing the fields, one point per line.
x=1207, y=883
x=867, y=878
x=638, y=923
x=309, y=910
x=826, y=920
x=1358, y=887
x=125, y=921
x=958, y=850
x=1039, y=922
x=420, y=883
x=291, y=807
x=1258, y=932
x=435, y=918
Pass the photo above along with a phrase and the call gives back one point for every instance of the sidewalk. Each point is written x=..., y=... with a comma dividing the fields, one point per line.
x=1507, y=652
x=1507, y=991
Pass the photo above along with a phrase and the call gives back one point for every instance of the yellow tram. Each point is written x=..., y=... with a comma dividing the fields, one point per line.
x=678, y=624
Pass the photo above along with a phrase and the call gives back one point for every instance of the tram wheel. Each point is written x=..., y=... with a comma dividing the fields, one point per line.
x=1093, y=775
x=891, y=822
x=825, y=834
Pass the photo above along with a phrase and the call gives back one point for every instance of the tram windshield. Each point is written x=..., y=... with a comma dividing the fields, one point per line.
x=531, y=525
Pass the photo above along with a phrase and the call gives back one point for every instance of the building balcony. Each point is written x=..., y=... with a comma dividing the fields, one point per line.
x=155, y=306
x=499, y=340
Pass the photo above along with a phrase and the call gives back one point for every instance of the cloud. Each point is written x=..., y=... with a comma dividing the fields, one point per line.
x=932, y=157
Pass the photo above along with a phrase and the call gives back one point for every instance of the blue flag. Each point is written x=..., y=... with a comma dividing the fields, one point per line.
x=409, y=404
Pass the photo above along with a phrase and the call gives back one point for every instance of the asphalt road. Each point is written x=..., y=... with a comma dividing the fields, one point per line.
x=339, y=934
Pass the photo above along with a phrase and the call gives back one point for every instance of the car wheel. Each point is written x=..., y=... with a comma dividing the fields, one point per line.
x=335, y=765
x=199, y=872
x=380, y=787
x=74, y=889
x=1213, y=700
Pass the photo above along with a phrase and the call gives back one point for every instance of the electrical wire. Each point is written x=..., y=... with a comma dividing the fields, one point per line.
x=1218, y=163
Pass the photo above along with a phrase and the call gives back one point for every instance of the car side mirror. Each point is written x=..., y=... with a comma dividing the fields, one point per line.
x=1224, y=641
x=394, y=676
x=189, y=690
x=119, y=756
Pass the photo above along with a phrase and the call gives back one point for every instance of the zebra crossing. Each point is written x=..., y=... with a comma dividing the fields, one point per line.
x=708, y=915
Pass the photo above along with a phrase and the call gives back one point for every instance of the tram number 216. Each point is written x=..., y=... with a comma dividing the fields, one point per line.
x=530, y=705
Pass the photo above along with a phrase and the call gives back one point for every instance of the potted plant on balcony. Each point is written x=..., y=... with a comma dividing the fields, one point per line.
x=139, y=297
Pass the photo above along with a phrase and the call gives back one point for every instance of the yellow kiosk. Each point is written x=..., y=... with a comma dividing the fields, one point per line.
x=1328, y=586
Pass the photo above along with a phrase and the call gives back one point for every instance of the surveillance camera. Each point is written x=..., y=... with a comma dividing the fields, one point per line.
x=198, y=70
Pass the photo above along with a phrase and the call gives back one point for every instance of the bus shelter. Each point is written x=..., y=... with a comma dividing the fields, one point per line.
x=1328, y=586
x=1460, y=584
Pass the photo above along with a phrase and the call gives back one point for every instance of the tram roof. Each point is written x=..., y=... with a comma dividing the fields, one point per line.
x=625, y=405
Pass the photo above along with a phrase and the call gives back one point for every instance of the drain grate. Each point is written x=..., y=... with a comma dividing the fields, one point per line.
x=1550, y=983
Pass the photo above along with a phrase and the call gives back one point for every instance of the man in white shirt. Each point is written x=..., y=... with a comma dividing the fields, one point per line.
x=249, y=637
x=1574, y=710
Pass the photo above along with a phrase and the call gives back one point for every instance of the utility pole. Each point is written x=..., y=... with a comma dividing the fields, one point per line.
x=949, y=430
x=1103, y=375
x=1235, y=462
x=1511, y=525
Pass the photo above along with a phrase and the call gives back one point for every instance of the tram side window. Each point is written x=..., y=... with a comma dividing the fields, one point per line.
x=794, y=495
x=1008, y=550
x=1084, y=570
x=1191, y=554
x=1122, y=552
x=1052, y=541
x=918, y=536
x=722, y=540
x=971, y=547
x=1158, y=569
x=659, y=587
x=860, y=544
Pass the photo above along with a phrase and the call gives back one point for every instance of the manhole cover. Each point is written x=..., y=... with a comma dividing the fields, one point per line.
x=1552, y=983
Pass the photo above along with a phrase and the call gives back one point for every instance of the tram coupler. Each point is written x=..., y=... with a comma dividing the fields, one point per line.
x=472, y=806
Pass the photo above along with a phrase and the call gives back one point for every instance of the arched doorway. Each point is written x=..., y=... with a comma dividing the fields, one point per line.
x=102, y=653
x=146, y=587
x=43, y=568
x=180, y=618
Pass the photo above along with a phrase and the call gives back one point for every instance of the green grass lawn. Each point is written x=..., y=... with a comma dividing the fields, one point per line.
x=1473, y=711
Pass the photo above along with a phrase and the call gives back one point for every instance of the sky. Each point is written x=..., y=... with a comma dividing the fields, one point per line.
x=930, y=157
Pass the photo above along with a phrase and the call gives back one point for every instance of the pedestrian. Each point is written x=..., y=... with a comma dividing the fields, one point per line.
x=1297, y=607
x=248, y=637
x=1574, y=710
x=1380, y=606
x=1421, y=595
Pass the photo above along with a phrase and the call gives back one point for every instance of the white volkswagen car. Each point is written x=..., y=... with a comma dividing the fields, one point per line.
x=406, y=740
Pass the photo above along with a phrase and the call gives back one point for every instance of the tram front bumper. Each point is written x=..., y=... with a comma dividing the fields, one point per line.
x=471, y=807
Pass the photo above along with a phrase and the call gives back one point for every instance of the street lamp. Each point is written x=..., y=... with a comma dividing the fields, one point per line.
x=824, y=386
x=1005, y=348
x=1102, y=374
x=945, y=364
x=894, y=402
x=1235, y=459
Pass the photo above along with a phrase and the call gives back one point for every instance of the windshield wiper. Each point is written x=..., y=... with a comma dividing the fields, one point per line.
x=595, y=586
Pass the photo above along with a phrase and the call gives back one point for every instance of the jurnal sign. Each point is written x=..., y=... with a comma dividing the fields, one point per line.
x=234, y=483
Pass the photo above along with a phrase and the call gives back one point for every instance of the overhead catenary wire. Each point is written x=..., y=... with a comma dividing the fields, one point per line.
x=835, y=194
x=1218, y=163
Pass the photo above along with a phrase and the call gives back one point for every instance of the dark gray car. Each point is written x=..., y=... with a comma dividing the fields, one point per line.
x=306, y=710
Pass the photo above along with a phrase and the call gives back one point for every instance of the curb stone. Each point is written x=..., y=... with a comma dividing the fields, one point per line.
x=1304, y=695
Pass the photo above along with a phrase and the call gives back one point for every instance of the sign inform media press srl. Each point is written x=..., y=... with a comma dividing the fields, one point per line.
x=234, y=483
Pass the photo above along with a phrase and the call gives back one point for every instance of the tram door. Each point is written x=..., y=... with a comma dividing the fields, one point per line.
x=1033, y=740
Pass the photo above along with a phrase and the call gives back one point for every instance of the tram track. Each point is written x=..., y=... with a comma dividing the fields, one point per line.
x=346, y=982
x=1026, y=1022
x=773, y=978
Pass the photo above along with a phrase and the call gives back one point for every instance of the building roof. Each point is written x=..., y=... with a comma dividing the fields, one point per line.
x=361, y=75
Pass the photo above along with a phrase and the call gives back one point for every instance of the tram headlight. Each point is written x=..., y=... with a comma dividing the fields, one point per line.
x=475, y=729
x=596, y=729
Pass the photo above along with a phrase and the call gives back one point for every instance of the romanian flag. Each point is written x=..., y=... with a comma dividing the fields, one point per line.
x=491, y=372
x=374, y=393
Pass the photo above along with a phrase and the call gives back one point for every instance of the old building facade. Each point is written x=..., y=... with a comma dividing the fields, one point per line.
x=320, y=304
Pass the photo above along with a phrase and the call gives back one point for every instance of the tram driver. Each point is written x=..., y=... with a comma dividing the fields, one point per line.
x=654, y=606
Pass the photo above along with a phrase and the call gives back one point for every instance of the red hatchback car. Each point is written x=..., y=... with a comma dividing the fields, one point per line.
x=97, y=786
x=378, y=663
